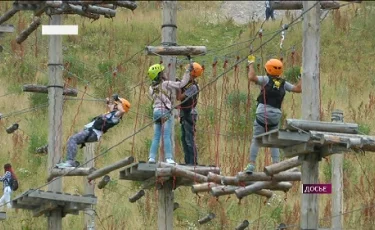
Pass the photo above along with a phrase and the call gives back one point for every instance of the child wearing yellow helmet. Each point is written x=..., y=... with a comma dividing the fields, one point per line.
x=160, y=92
x=268, y=112
x=93, y=131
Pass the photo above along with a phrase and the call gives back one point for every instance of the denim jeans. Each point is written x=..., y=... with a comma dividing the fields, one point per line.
x=188, y=121
x=162, y=130
x=77, y=139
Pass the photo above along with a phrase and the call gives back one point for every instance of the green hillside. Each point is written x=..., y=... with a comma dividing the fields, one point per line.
x=226, y=110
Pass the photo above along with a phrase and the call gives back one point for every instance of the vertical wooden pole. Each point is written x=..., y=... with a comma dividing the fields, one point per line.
x=310, y=108
x=89, y=220
x=337, y=180
x=169, y=38
x=55, y=106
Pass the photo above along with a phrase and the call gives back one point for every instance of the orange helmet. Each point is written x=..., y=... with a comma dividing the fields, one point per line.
x=125, y=104
x=274, y=67
x=197, y=70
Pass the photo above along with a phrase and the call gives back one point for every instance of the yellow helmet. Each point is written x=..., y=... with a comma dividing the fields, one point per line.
x=154, y=70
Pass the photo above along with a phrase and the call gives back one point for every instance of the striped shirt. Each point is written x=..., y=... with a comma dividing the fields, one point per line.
x=6, y=179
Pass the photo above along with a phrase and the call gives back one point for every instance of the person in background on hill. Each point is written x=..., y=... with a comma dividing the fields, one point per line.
x=160, y=93
x=9, y=174
x=92, y=132
x=189, y=114
x=268, y=112
x=269, y=11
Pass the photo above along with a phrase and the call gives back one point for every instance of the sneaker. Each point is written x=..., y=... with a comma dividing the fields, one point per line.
x=170, y=161
x=151, y=160
x=67, y=164
x=249, y=169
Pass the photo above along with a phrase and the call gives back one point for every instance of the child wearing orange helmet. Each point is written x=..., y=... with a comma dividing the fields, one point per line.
x=93, y=131
x=189, y=115
x=268, y=112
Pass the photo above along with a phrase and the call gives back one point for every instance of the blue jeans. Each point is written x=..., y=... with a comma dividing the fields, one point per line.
x=162, y=130
x=188, y=122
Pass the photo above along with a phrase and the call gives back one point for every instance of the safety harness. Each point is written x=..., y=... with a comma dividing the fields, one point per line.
x=156, y=90
x=191, y=103
x=273, y=93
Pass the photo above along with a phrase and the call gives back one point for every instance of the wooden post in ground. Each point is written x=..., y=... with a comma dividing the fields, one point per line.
x=310, y=107
x=337, y=180
x=55, y=107
x=89, y=154
x=168, y=38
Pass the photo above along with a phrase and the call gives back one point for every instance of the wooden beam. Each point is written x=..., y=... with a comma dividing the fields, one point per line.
x=310, y=106
x=223, y=190
x=69, y=172
x=7, y=15
x=207, y=218
x=137, y=196
x=177, y=171
x=101, y=172
x=204, y=170
x=25, y=33
x=297, y=5
x=46, y=207
x=213, y=177
x=104, y=182
x=54, y=4
x=6, y=28
x=71, y=9
x=176, y=50
x=44, y=89
x=55, y=107
x=261, y=176
x=282, y=166
x=131, y=5
x=89, y=188
x=337, y=180
x=108, y=13
x=296, y=125
x=27, y=5
x=204, y=187
x=62, y=197
x=296, y=150
x=244, y=191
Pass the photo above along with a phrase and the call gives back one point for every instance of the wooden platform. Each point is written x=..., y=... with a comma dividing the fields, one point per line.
x=295, y=143
x=42, y=202
x=146, y=173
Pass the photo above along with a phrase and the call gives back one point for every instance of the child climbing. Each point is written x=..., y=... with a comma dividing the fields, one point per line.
x=92, y=132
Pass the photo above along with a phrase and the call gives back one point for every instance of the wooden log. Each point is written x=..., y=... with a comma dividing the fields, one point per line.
x=54, y=4
x=244, y=191
x=242, y=225
x=101, y=172
x=176, y=50
x=205, y=187
x=28, y=5
x=280, y=186
x=295, y=125
x=163, y=172
x=69, y=172
x=44, y=89
x=223, y=190
x=261, y=176
x=207, y=218
x=131, y=5
x=105, y=180
x=297, y=5
x=25, y=33
x=7, y=15
x=204, y=170
x=108, y=13
x=230, y=180
x=177, y=171
x=71, y=9
x=213, y=177
x=6, y=29
x=137, y=196
x=282, y=166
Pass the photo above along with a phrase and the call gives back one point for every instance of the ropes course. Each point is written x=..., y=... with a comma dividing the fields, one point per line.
x=210, y=98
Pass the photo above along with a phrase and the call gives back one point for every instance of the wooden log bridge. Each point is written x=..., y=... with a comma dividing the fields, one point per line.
x=44, y=89
x=43, y=202
x=303, y=137
x=261, y=176
x=55, y=172
x=25, y=33
x=253, y=188
x=176, y=50
x=297, y=5
x=103, y=171
x=282, y=166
